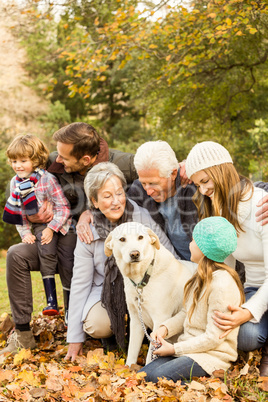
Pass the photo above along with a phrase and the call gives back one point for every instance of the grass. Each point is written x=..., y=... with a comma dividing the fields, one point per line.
x=247, y=389
x=39, y=299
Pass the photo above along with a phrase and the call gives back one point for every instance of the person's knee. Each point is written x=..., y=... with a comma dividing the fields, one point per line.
x=22, y=252
x=20, y=258
x=156, y=374
x=96, y=331
x=13, y=255
x=97, y=328
x=156, y=369
x=249, y=337
x=13, y=250
x=150, y=377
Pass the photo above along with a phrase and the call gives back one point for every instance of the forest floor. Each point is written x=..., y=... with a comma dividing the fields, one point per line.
x=44, y=375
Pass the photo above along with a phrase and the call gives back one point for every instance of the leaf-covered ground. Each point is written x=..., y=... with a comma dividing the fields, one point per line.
x=44, y=375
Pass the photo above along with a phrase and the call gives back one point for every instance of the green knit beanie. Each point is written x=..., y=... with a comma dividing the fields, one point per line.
x=216, y=238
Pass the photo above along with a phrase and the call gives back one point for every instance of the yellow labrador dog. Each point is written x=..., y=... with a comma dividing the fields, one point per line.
x=150, y=269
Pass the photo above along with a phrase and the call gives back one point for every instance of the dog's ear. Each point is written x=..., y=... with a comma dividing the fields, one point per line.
x=108, y=245
x=154, y=238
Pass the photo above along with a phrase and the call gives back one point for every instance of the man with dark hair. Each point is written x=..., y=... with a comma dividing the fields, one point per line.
x=83, y=141
x=79, y=147
x=70, y=164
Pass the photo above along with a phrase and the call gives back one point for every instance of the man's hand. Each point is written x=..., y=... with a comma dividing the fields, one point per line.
x=29, y=239
x=74, y=350
x=166, y=348
x=44, y=215
x=83, y=229
x=183, y=176
x=47, y=236
x=227, y=322
x=262, y=214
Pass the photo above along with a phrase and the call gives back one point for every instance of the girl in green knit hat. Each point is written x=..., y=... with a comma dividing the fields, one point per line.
x=199, y=349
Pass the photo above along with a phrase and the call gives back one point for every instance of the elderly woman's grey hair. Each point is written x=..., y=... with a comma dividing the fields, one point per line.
x=156, y=155
x=98, y=176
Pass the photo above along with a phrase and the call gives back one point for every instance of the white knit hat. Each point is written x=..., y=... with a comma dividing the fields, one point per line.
x=204, y=155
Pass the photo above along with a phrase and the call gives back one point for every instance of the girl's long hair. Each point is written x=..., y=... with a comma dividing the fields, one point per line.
x=201, y=280
x=229, y=189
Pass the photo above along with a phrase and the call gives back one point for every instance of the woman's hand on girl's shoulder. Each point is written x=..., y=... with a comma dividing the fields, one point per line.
x=262, y=214
x=227, y=322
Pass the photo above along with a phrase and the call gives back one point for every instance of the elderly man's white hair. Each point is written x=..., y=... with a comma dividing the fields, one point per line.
x=156, y=155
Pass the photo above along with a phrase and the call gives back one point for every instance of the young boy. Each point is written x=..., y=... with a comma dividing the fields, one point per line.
x=29, y=189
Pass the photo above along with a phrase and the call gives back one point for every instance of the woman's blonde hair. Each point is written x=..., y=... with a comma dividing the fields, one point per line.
x=229, y=189
x=28, y=146
x=202, y=280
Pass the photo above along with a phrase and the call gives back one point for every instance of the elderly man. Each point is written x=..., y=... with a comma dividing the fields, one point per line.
x=160, y=191
x=79, y=147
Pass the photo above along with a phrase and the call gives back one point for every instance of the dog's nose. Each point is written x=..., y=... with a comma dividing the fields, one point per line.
x=134, y=255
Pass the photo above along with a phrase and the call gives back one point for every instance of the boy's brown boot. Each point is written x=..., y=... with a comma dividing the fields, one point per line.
x=19, y=340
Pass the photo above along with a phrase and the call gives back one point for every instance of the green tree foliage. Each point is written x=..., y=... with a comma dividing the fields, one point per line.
x=42, y=37
x=105, y=101
x=259, y=136
x=56, y=117
x=190, y=73
x=8, y=233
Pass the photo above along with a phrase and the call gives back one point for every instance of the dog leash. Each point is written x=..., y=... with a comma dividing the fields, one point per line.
x=155, y=345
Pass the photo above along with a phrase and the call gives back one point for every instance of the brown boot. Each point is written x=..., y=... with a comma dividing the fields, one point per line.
x=19, y=340
x=264, y=361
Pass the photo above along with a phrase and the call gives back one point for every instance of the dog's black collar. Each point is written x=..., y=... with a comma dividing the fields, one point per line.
x=145, y=279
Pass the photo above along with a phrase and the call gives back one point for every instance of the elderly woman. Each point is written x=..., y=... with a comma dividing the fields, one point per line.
x=104, y=188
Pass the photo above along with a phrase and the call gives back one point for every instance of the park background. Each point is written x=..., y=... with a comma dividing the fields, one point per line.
x=179, y=71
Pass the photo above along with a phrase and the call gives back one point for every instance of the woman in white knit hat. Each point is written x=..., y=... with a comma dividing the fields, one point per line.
x=222, y=192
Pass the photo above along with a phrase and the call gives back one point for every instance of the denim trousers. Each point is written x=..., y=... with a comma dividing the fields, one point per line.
x=173, y=368
x=251, y=335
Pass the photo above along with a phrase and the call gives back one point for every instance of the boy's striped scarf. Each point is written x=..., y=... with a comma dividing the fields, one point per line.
x=22, y=194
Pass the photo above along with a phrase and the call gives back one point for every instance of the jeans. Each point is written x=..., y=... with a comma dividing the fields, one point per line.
x=173, y=368
x=253, y=336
